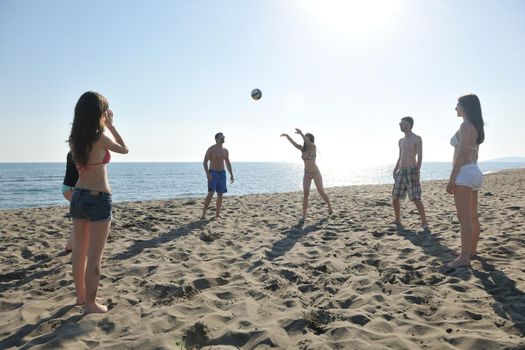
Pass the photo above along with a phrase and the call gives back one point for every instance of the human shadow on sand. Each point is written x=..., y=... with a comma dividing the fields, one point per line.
x=53, y=322
x=140, y=245
x=432, y=246
x=292, y=235
x=510, y=301
x=40, y=269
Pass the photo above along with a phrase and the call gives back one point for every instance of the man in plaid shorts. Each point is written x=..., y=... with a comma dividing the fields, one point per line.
x=406, y=172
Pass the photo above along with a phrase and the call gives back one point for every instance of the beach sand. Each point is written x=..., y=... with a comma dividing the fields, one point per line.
x=260, y=280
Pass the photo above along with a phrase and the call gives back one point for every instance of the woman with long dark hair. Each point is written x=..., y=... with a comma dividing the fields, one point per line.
x=90, y=205
x=311, y=171
x=466, y=178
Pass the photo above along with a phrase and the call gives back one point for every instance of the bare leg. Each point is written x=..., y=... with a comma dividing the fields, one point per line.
x=78, y=258
x=307, y=183
x=218, y=204
x=463, y=200
x=207, y=202
x=421, y=210
x=397, y=210
x=318, y=180
x=98, y=234
x=476, y=229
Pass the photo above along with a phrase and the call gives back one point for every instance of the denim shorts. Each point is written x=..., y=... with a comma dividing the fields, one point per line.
x=90, y=205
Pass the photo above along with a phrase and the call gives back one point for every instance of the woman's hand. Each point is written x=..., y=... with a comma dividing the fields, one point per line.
x=451, y=187
x=298, y=131
x=284, y=135
x=108, y=117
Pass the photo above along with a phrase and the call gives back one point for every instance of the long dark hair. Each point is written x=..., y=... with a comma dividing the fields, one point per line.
x=86, y=128
x=472, y=108
x=309, y=137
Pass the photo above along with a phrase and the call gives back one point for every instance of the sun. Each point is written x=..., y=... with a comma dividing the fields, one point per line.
x=352, y=16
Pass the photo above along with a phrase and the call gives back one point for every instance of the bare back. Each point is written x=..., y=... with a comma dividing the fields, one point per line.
x=409, y=148
x=95, y=177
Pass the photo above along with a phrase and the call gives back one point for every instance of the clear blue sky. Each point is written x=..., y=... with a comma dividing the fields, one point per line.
x=176, y=72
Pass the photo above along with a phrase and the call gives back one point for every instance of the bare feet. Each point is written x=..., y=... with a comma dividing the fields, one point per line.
x=95, y=308
x=458, y=262
x=330, y=211
x=218, y=218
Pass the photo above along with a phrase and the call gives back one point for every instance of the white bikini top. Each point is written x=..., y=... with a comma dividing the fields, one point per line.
x=454, y=141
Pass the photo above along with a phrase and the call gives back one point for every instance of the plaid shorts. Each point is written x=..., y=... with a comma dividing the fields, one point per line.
x=405, y=181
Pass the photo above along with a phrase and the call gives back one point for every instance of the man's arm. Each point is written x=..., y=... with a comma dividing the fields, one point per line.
x=419, y=150
x=229, y=165
x=207, y=157
x=396, y=168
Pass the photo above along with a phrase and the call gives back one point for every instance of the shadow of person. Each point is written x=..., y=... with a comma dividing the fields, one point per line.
x=432, y=246
x=16, y=339
x=140, y=245
x=44, y=267
x=510, y=301
x=292, y=236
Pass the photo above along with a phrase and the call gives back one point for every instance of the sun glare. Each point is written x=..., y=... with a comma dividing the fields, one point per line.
x=352, y=16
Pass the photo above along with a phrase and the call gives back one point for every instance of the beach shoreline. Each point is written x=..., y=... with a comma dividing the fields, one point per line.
x=260, y=279
x=40, y=185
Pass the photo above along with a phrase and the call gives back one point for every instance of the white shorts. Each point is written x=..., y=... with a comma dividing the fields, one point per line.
x=470, y=176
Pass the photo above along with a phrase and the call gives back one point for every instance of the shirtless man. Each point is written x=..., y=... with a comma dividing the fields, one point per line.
x=406, y=172
x=217, y=156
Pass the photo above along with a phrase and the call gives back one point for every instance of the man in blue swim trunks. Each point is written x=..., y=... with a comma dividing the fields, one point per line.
x=217, y=155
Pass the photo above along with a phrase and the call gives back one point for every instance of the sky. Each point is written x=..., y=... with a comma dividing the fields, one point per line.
x=177, y=72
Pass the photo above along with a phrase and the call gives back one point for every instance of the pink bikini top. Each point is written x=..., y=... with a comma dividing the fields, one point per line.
x=107, y=158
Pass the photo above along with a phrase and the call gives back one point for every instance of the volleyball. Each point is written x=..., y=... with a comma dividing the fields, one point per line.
x=256, y=94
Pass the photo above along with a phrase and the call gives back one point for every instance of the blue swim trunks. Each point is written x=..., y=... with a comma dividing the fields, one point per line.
x=218, y=182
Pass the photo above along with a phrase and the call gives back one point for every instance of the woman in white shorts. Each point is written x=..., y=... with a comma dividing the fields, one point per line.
x=466, y=178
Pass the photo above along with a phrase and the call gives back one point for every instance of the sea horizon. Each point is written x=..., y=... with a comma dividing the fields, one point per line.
x=38, y=184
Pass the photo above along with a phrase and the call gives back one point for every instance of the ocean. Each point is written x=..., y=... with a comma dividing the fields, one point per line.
x=25, y=185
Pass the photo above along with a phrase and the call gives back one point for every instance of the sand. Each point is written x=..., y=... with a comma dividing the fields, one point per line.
x=261, y=280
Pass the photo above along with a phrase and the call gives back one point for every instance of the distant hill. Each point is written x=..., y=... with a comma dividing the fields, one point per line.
x=507, y=160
